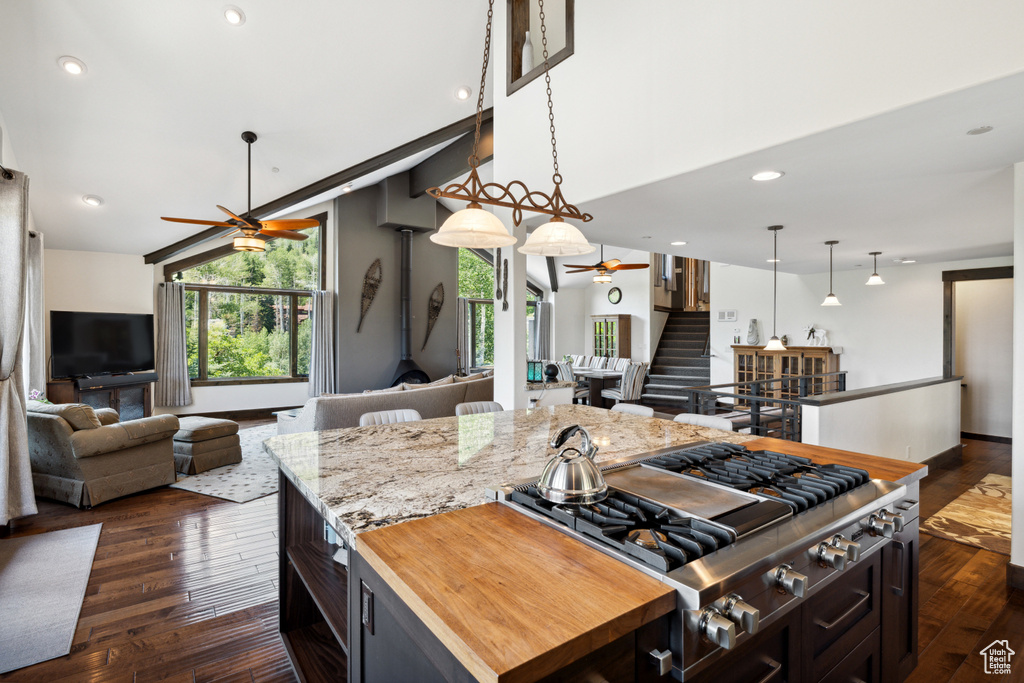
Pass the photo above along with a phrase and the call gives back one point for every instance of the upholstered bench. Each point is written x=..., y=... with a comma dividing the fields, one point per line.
x=203, y=443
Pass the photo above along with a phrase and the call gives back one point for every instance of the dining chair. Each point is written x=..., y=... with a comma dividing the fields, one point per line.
x=631, y=387
x=387, y=417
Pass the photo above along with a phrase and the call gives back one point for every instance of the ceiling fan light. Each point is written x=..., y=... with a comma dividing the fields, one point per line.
x=774, y=344
x=556, y=238
x=473, y=228
x=603, y=279
x=249, y=244
x=831, y=300
x=875, y=279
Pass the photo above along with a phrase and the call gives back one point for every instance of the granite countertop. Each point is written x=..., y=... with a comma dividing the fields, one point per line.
x=365, y=478
x=540, y=386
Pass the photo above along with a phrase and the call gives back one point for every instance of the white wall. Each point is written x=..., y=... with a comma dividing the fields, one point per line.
x=569, y=322
x=984, y=355
x=754, y=78
x=890, y=333
x=636, y=302
x=909, y=425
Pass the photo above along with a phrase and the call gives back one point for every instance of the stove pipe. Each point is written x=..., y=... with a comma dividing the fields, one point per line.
x=407, y=370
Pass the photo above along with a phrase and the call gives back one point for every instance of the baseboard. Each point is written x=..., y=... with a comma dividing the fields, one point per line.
x=950, y=457
x=1014, y=575
x=986, y=437
x=253, y=414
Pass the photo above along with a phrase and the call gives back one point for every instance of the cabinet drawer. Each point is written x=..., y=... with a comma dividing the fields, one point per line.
x=836, y=621
x=771, y=656
x=863, y=665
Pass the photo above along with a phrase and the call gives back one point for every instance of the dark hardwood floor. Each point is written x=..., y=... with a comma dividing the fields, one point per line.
x=184, y=588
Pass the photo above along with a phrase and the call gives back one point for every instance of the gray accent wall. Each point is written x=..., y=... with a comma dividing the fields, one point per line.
x=367, y=360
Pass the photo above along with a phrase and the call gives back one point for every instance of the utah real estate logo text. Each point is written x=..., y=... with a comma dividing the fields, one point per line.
x=997, y=657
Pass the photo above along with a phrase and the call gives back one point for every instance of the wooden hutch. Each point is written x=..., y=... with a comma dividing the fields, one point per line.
x=753, y=363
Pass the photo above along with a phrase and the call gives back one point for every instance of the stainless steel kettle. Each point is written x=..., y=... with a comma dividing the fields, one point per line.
x=571, y=477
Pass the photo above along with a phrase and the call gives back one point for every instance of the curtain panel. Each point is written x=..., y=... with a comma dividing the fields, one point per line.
x=173, y=387
x=34, y=346
x=16, y=496
x=463, y=350
x=321, y=362
x=542, y=330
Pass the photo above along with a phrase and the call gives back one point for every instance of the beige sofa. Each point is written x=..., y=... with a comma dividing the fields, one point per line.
x=343, y=410
x=86, y=457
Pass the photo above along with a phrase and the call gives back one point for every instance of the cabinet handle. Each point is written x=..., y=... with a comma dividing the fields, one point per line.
x=776, y=668
x=864, y=597
x=900, y=570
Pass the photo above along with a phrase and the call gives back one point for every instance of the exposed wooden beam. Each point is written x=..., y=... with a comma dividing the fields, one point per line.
x=451, y=162
x=552, y=273
x=331, y=182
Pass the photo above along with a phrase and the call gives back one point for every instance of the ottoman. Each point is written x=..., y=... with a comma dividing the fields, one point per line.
x=203, y=443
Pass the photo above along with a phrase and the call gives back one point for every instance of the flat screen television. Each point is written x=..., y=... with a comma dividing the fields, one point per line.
x=100, y=343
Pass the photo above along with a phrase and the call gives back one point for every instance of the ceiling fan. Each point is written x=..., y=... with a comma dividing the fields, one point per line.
x=253, y=233
x=605, y=268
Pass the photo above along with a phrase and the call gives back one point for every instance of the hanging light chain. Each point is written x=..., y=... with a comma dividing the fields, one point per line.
x=557, y=177
x=474, y=160
x=775, y=282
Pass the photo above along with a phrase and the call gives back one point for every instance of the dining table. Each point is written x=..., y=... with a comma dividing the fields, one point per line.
x=597, y=378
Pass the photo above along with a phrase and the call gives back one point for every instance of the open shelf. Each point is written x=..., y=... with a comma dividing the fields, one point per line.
x=327, y=583
x=314, y=651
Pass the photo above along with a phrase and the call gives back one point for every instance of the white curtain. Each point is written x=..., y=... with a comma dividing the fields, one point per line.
x=16, y=496
x=321, y=362
x=464, y=352
x=542, y=331
x=671, y=277
x=173, y=387
x=34, y=344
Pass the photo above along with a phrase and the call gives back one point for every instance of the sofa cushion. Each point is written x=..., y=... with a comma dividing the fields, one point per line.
x=450, y=379
x=116, y=437
x=385, y=390
x=200, y=447
x=78, y=415
x=198, y=428
x=469, y=378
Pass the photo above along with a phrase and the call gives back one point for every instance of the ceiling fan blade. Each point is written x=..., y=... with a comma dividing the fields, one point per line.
x=630, y=266
x=576, y=265
x=297, y=236
x=582, y=270
x=237, y=218
x=611, y=263
x=290, y=224
x=218, y=224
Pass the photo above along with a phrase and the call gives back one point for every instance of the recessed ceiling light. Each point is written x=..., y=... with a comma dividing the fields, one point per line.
x=773, y=260
x=767, y=175
x=980, y=130
x=346, y=189
x=92, y=200
x=463, y=92
x=72, y=65
x=275, y=169
x=234, y=16
x=677, y=244
x=646, y=237
x=903, y=260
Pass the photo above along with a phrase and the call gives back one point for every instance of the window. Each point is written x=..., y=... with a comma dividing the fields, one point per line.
x=476, y=283
x=247, y=314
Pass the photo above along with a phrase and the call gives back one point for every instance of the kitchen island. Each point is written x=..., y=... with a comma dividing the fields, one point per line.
x=469, y=591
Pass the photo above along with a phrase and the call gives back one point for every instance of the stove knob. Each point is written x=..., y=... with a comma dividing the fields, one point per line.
x=895, y=518
x=851, y=548
x=716, y=628
x=746, y=617
x=790, y=581
x=877, y=526
x=830, y=556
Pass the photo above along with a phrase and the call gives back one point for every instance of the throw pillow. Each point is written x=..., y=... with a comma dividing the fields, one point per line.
x=397, y=387
x=469, y=378
x=488, y=373
x=78, y=415
x=450, y=379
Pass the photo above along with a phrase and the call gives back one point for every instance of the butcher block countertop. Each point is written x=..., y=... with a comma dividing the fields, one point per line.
x=512, y=599
x=887, y=469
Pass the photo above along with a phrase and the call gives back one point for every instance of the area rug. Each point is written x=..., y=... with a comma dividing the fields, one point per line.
x=42, y=585
x=254, y=477
x=979, y=518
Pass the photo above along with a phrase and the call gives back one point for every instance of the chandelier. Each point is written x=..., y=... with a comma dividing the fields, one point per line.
x=473, y=227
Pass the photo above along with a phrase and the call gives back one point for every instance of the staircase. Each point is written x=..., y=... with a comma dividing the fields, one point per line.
x=679, y=362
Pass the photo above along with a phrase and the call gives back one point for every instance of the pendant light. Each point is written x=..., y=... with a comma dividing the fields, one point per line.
x=474, y=227
x=775, y=344
x=875, y=279
x=831, y=299
x=602, y=277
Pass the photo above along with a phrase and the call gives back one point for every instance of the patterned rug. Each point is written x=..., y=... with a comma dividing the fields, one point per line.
x=254, y=477
x=979, y=518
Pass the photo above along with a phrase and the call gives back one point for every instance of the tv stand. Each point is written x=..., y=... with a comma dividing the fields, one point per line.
x=128, y=394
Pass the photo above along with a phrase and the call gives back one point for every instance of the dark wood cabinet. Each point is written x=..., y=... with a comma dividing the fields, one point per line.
x=900, y=561
x=773, y=656
x=131, y=401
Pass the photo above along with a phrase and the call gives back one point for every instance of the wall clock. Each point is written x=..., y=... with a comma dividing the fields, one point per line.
x=615, y=295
